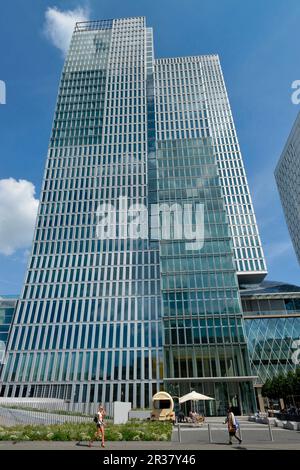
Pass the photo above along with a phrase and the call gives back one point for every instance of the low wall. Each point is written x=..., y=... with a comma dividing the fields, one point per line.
x=292, y=425
x=139, y=414
x=278, y=423
x=260, y=420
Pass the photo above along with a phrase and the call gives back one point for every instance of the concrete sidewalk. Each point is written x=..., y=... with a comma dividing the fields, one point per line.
x=149, y=446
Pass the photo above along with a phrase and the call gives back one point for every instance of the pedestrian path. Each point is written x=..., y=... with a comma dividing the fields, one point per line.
x=215, y=431
x=281, y=444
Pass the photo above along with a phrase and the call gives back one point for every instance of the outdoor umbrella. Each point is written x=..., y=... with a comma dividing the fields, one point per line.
x=194, y=396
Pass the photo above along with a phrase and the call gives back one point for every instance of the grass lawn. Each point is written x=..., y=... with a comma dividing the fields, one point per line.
x=132, y=431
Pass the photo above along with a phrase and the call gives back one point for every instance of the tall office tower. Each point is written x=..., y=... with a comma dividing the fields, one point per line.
x=192, y=102
x=199, y=162
x=204, y=343
x=287, y=174
x=88, y=324
x=108, y=315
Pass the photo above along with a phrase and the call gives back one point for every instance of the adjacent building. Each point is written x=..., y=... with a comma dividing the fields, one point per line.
x=287, y=174
x=107, y=315
x=7, y=308
x=272, y=323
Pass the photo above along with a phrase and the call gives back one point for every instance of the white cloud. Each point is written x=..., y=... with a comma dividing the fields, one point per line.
x=18, y=210
x=59, y=25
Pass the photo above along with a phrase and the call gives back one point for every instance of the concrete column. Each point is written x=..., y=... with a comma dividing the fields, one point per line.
x=281, y=403
x=260, y=399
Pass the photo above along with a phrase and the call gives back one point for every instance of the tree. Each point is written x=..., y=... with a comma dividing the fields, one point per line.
x=266, y=389
x=282, y=386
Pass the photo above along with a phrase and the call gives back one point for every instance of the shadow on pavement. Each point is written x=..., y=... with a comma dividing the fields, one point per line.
x=82, y=444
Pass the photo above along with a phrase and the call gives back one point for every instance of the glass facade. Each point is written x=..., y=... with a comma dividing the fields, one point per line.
x=204, y=342
x=88, y=324
x=287, y=175
x=192, y=102
x=272, y=322
x=116, y=317
x=7, y=308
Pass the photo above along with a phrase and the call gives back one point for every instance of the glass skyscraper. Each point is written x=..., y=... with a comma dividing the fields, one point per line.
x=204, y=343
x=287, y=175
x=192, y=102
x=118, y=317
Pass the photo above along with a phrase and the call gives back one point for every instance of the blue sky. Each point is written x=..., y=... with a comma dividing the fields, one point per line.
x=257, y=42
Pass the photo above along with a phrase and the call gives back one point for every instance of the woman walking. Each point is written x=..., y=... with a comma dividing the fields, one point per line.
x=100, y=426
x=232, y=426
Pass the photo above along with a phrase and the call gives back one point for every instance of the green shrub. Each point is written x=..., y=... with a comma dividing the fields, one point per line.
x=132, y=431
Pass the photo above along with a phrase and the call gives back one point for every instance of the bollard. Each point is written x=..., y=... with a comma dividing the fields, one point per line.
x=209, y=433
x=179, y=433
x=270, y=432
